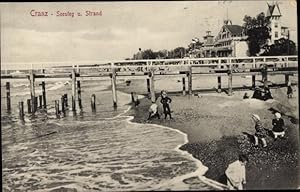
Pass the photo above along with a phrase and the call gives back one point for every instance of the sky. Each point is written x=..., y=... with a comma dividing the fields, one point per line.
x=121, y=30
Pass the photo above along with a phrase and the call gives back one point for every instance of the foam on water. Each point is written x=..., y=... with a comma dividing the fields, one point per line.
x=95, y=153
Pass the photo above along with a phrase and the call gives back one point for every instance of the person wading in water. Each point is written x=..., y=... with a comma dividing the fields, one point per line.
x=165, y=100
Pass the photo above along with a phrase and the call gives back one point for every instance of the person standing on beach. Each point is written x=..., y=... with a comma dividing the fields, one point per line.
x=165, y=100
x=260, y=133
x=278, y=126
x=289, y=90
x=153, y=112
x=236, y=173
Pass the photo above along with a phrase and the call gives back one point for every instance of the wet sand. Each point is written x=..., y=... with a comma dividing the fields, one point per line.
x=219, y=127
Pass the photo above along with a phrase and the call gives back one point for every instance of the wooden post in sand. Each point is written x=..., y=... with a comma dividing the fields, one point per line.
x=253, y=81
x=79, y=95
x=287, y=78
x=230, y=80
x=152, y=87
x=8, y=101
x=73, y=89
x=183, y=86
x=264, y=73
x=44, y=95
x=113, y=85
x=219, y=84
x=190, y=80
x=148, y=85
x=32, y=91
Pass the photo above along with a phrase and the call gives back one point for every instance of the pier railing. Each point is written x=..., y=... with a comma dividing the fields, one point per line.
x=218, y=62
x=146, y=69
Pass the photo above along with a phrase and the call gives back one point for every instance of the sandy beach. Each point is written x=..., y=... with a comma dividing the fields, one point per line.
x=219, y=127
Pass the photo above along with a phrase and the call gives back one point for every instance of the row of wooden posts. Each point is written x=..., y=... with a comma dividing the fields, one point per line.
x=33, y=102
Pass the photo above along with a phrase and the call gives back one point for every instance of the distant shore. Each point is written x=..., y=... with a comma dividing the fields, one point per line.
x=217, y=127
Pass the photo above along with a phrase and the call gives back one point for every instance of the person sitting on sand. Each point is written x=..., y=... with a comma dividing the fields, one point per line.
x=257, y=94
x=153, y=112
x=278, y=126
x=165, y=100
x=268, y=94
x=236, y=173
x=260, y=133
x=289, y=90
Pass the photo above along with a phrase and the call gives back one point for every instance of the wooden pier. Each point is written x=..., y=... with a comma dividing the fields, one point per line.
x=142, y=69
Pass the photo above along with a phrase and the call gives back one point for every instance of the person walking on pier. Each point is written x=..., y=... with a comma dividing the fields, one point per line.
x=236, y=173
x=165, y=100
x=278, y=126
x=260, y=133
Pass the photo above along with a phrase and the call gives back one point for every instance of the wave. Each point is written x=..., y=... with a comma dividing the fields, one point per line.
x=202, y=169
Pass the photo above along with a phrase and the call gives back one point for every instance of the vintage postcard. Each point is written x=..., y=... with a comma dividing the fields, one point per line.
x=149, y=96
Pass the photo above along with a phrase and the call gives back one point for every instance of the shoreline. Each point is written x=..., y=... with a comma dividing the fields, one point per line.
x=236, y=143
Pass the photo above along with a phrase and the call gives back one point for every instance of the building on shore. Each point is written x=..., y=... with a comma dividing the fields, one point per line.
x=231, y=41
x=277, y=30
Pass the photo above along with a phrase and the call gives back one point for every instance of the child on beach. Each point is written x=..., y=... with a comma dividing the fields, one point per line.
x=236, y=173
x=153, y=112
x=289, y=90
x=260, y=133
x=165, y=100
x=278, y=126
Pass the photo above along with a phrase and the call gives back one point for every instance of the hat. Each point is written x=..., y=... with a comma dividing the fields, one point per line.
x=277, y=115
x=255, y=117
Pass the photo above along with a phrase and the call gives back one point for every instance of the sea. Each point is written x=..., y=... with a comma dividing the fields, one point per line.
x=91, y=151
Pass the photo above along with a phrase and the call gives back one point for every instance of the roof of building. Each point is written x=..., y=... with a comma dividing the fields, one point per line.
x=273, y=10
x=234, y=29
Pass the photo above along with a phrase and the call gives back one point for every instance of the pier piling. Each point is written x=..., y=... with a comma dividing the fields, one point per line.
x=32, y=91
x=287, y=78
x=21, y=109
x=183, y=86
x=57, y=108
x=152, y=86
x=8, y=101
x=29, y=106
x=253, y=82
x=35, y=103
x=66, y=100
x=219, y=84
x=190, y=80
x=63, y=104
x=93, y=102
x=73, y=90
x=44, y=95
x=79, y=95
x=148, y=85
x=113, y=86
x=41, y=101
x=230, y=80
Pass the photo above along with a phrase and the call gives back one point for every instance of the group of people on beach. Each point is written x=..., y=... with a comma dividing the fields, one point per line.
x=261, y=133
x=165, y=101
x=236, y=171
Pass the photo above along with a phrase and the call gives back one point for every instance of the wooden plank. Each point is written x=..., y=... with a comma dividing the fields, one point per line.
x=32, y=91
x=73, y=90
